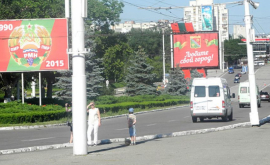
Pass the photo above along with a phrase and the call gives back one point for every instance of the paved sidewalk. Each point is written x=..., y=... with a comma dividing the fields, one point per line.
x=239, y=146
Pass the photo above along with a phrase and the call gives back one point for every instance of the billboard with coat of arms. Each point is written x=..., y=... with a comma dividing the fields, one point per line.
x=33, y=45
x=197, y=50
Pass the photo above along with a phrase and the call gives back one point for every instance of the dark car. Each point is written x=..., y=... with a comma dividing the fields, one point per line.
x=264, y=96
x=236, y=80
x=237, y=76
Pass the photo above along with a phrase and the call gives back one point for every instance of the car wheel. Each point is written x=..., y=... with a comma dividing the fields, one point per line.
x=240, y=106
x=259, y=105
x=225, y=118
x=201, y=119
x=231, y=116
x=194, y=119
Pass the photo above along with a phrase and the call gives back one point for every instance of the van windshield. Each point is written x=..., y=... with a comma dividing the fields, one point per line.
x=214, y=91
x=199, y=91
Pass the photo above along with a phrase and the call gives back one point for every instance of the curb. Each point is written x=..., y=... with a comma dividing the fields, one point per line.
x=140, y=138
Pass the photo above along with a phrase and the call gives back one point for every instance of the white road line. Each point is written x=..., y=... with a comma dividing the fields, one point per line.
x=121, y=129
x=37, y=139
x=150, y=125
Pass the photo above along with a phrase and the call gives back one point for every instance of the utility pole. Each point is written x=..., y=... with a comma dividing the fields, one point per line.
x=78, y=12
x=163, y=56
x=254, y=116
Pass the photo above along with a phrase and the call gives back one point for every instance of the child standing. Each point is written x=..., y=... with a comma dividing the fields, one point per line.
x=131, y=126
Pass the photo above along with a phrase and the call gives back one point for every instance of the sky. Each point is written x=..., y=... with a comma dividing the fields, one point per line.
x=131, y=12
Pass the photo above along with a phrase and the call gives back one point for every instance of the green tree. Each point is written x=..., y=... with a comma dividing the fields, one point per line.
x=152, y=42
x=177, y=84
x=115, y=60
x=103, y=13
x=140, y=78
x=233, y=51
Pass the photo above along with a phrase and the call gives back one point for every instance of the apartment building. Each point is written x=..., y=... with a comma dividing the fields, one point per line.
x=206, y=16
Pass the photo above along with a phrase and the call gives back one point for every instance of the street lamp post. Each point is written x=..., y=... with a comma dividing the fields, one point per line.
x=254, y=116
x=163, y=56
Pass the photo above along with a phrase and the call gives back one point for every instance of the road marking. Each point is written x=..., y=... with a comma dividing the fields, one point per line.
x=150, y=125
x=171, y=120
x=37, y=139
x=121, y=129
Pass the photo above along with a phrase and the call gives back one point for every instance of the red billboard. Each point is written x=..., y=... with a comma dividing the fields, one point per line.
x=33, y=45
x=198, y=50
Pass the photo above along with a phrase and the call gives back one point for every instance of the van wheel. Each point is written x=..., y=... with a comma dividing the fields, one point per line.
x=194, y=119
x=231, y=116
x=225, y=118
x=201, y=119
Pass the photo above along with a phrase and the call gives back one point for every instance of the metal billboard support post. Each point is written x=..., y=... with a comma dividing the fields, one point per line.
x=254, y=116
x=22, y=89
x=78, y=11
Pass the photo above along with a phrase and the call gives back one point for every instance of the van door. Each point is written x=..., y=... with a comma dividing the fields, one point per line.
x=200, y=100
x=215, y=99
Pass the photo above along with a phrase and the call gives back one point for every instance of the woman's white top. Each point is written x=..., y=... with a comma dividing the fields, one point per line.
x=93, y=116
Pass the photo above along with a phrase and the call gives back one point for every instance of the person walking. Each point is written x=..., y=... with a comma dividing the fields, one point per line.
x=69, y=124
x=93, y=123
x=131, y=126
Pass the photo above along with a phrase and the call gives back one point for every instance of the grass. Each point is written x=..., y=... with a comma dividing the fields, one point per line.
x=64, y=120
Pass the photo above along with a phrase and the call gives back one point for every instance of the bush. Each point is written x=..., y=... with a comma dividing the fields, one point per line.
x=15, y=113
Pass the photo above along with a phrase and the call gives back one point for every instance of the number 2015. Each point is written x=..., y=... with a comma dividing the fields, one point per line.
x=54, y=63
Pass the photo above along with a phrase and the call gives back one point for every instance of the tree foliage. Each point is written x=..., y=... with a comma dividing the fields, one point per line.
x=140, y=78
x=177, y=84
x=233, y=51
x=115, y=61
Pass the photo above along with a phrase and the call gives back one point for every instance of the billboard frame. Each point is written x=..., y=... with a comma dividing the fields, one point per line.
x=67, y=58
x=196, y=32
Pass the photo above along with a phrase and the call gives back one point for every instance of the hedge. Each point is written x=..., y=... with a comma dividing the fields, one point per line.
x=141, y=105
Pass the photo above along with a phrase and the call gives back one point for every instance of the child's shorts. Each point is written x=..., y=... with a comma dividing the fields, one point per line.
x=132, y=131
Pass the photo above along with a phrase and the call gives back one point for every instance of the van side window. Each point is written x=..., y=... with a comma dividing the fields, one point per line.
x=199, y=91
x=243, y=90
x=214, y=91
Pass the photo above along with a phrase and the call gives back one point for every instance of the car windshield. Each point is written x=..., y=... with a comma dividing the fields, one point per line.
x=264, y=93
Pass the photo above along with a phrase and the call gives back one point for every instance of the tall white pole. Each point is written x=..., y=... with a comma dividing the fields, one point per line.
x=171, y=37
x=254, y=116
x=78, y=79
x=163, y=56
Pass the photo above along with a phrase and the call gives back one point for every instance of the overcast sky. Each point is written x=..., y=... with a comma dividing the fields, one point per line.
x=261, y=16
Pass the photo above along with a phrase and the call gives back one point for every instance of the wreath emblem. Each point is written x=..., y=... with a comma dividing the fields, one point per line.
x=29, y=45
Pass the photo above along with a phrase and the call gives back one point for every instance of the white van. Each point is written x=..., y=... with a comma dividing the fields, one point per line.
x=244, y=95
x=209, y=98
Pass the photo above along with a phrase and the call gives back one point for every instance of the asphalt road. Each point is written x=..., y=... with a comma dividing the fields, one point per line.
x=161, y=122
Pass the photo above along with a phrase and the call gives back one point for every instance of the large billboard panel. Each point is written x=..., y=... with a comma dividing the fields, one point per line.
x=207, y=18
x=33, y=45
x=197, y=50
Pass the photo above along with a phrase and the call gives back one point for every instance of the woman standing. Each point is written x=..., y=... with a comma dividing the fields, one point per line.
x=93, y=123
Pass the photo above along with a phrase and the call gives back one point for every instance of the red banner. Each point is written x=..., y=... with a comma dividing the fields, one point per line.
x=33, y=45
x=196, y=50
